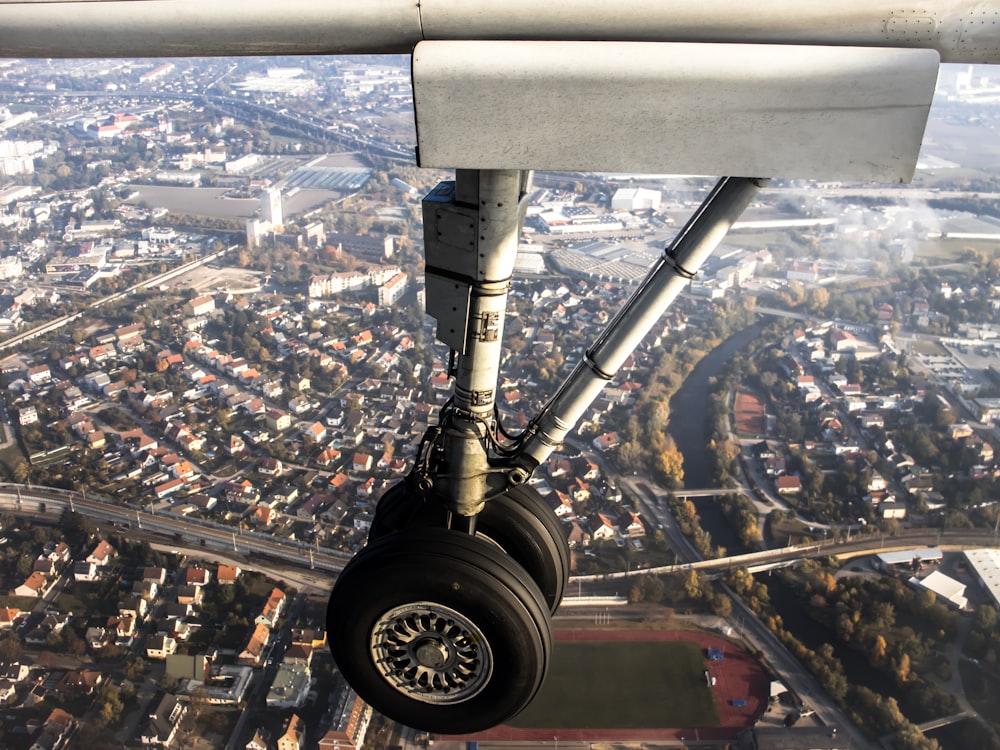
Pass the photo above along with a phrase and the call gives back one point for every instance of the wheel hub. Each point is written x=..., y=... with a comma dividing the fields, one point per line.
x=431, y=653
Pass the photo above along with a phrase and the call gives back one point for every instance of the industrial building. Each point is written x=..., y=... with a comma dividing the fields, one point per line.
x=946, y=588
x=888, y=561
x=985, y=563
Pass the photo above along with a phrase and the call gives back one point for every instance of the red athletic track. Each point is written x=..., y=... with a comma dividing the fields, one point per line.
x=738, y=677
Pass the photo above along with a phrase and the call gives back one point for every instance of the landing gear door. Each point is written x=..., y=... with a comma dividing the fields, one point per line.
x=790, y=111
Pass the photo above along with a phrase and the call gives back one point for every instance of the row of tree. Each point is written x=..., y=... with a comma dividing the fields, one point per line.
x=875, y=713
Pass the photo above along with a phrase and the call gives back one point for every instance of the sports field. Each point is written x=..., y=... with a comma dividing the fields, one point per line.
x=653, y=684
x=636, y=685
x=751, y=418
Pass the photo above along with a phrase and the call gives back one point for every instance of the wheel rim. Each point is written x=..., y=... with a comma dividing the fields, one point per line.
x=416, y=600
x=431, y=653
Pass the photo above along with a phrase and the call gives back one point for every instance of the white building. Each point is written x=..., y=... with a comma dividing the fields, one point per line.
x=986, y=565
x=945, y=587
x=528, y=262
x=390, y=292
x=891, y=560
x=989, y=409
x=160, y=646
x=15, y=165
x=807, y=272
x=179, y=177
x=227, y=687
x=255, y=232
x=159, y=235
x=636, y=199
x=242, y=163
x=270, y=208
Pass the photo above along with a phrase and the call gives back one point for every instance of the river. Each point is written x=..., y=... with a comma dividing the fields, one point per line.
x=688, y=428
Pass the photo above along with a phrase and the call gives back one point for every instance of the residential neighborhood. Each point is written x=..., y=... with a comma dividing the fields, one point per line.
x=212, y=309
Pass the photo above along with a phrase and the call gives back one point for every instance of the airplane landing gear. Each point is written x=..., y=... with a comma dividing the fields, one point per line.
x=442, y=621
x=518, y=521
x=440, y=630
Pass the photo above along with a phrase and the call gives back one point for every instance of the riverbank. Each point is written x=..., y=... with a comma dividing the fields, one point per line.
x=689, y=428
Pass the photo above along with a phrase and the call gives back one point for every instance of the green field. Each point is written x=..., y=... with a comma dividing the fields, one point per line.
x=636, y=685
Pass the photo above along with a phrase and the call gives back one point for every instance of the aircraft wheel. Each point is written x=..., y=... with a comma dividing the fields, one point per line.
x=519, y=521
x=439, y=630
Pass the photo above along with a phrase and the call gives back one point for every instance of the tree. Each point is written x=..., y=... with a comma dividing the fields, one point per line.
x=819, y=298
x=883, y=616
x=631, y=455
x=903, y=668
x=221, y=417
x=985, y=618
x=25, y=565
x=10, y=648
x=111, y=705
x=722, y=606
x=877, y=655
x=135, y=669
x=910, y=737
x=647, y=588
x=22, y=471
x=76, y=526
x=671, y=463
x=692, y=585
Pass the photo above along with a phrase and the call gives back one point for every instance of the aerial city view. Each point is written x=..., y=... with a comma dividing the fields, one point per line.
x=781, y=514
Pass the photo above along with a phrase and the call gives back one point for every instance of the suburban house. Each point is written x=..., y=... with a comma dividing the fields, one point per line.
x=160, y=646
x=163, y=722
x=253, y=654
x=601, y=527
x=294, y=737
x=102, y=554
x=226, y=575
x=788, y=485
x=273, y=608
x=35, y=585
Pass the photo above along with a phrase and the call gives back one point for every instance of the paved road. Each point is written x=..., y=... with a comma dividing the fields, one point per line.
x=794, y=675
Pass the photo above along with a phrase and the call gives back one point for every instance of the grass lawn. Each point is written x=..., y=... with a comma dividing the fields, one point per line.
x=630, y=685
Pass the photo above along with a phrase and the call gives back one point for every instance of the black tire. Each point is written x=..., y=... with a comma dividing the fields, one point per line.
x=439, y=631
x=519, y=521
